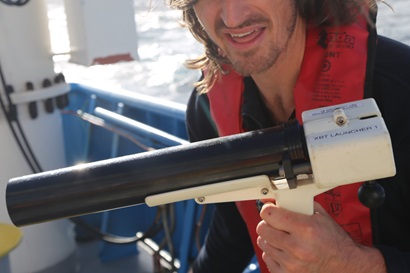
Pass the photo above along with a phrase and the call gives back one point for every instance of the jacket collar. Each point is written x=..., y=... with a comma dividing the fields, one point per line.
x=255, y=114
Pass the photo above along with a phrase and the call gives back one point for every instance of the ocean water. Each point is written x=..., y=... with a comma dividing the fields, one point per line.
x=163, y=46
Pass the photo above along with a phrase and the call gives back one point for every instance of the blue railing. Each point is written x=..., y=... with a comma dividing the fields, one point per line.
x=100, y=124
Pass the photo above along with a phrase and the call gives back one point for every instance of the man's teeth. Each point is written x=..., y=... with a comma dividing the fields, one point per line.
x=240, y=35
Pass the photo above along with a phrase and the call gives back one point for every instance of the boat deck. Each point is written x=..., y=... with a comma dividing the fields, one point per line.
x=86, y=260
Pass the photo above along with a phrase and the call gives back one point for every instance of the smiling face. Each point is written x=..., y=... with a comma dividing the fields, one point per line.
x=253, y=34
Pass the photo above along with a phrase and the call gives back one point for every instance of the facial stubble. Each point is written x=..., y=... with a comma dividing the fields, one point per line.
x=253, y=62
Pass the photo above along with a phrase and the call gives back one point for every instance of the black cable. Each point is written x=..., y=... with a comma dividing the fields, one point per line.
x=115, y=239
x=168, y=231
x=168, y=211
x=33, y=157
x=11, y=115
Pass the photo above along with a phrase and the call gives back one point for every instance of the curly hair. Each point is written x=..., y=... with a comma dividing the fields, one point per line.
x=318, y=12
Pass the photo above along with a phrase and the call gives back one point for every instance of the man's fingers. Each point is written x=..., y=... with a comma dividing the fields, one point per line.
x=281, y=219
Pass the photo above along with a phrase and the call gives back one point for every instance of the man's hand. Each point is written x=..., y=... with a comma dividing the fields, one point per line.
x=294, y=242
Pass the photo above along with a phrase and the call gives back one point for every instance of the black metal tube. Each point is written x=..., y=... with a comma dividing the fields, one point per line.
x=128, y=180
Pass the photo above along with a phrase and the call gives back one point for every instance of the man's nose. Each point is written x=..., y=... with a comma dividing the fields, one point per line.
x=233, y=12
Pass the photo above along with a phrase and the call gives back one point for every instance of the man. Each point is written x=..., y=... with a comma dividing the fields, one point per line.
x=265, y=62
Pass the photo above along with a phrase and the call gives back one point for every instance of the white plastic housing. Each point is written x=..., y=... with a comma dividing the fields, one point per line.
x=358, y=150
x=101, y=31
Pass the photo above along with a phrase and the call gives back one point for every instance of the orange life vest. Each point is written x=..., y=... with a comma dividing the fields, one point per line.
x=333, y=71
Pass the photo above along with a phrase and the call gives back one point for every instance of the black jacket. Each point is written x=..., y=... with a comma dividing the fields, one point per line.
x=228, y=247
